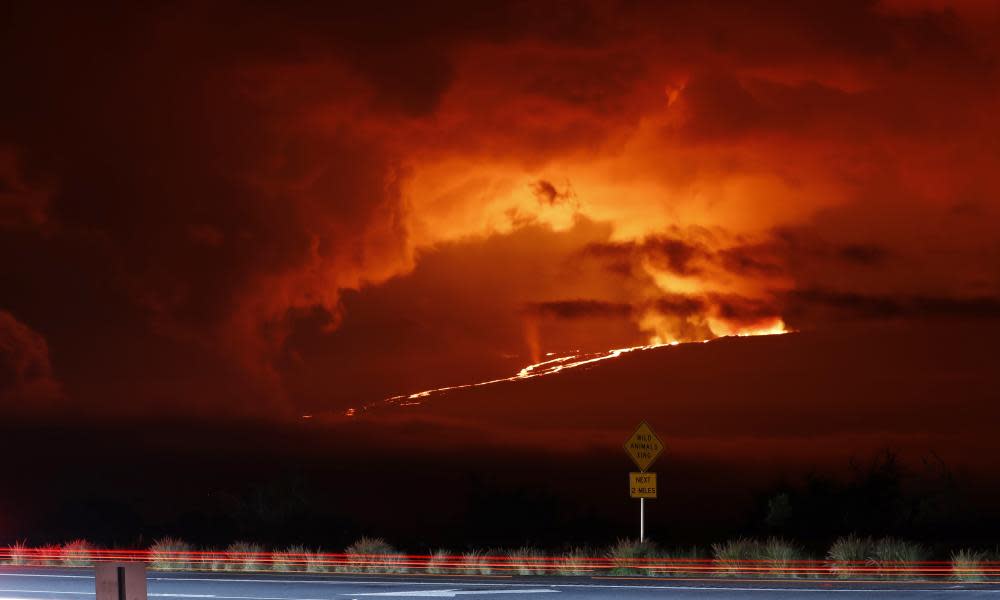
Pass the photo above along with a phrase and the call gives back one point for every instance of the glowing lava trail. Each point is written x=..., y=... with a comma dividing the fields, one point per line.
x=553, y=366
x=548, y=367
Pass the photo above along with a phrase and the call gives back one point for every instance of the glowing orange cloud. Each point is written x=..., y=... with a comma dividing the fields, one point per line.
x=340, y=197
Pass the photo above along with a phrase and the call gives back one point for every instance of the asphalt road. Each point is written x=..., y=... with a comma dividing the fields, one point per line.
x=78, y=584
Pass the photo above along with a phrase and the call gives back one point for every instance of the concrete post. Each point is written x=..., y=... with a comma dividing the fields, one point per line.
x=120, y=581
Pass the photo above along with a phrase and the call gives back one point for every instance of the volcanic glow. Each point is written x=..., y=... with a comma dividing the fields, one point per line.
x=316, y=219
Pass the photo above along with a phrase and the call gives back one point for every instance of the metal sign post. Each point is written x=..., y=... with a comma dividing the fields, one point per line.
x=644, y=448
x=642, y=520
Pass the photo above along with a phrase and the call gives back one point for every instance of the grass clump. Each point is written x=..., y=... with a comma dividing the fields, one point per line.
x=967, y=565
x=781, y=556
x=893, y=557
x=628, y=556
x=244, y=556
x=213, y=561
x=574, y=562
x=78, y=553
x=526, y=561
x=50, y=555
x=169, y=553
x=292, y=559
x=745, y=556
x=316, y=562
x=373, y=555
x=735, y=557
x=439, y=562
x=18, y=554
x=849, y=555
x=476, y=562
x=678, y=562
x=887, y=557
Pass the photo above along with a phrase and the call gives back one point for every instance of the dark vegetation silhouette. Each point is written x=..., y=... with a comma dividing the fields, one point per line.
x=489, y=507
x=882, y=496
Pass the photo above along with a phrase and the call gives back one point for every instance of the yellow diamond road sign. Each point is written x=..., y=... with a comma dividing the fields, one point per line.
x=643, y=446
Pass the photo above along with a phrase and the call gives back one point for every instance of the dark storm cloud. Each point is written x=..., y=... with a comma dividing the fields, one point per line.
x=667, y=253
x=579, y=309
x=863, y=254
x=171, y=168
x=731, y=307
x=27, y=382
x=721, y=107
x=547, y=193
x=23, y=203
x=787, y=247
x=774, y=256
x=740, y=309
x=676, y=256
x=718, y=106
x=679, y=305
x=882, y=306
x=750, y=260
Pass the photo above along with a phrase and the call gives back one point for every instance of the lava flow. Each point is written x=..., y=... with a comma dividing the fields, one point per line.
x=556, y=365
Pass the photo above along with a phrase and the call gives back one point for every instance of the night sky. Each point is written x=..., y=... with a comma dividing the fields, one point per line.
x=230, y=231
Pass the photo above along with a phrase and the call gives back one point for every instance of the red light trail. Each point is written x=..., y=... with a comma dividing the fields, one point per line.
x=457, y=564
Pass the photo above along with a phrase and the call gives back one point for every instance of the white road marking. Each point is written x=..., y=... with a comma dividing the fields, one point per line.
x=2, y=574
x=163, y=595
x=219, y=597
x=495, y=584
x=452, y=593
x=13, y=598
x=763, y=589
x=343, y=581
x=286, y=581
x=177, y=595
x=42, y=592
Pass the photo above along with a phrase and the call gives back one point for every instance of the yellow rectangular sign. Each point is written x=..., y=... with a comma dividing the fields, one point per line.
x=642, y=485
